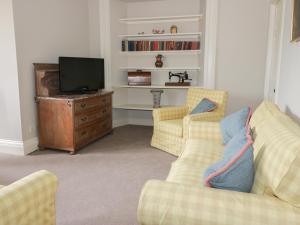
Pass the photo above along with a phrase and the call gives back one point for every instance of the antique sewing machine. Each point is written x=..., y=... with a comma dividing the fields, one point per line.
x=182, y=77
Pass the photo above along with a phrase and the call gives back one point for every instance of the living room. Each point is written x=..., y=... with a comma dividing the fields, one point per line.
x=150, y=112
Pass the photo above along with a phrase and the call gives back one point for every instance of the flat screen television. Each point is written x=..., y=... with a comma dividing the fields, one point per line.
x=81, y=74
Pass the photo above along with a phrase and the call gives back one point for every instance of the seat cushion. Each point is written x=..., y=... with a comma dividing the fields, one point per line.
x=174, y=127
x=1, y=186
x=263, y=112
x=277, y=164
x=196, y=157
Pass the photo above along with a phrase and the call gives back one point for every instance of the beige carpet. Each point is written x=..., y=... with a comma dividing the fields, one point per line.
x=102, y=183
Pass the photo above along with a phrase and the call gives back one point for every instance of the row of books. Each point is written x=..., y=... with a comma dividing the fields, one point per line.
x=159, y=45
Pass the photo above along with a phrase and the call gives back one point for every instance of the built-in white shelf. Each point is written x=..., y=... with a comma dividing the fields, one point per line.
x=161, y=19
x=153, y=87
x=173, y=52
x=136, y=107
x=160, y=69
x=161, y=36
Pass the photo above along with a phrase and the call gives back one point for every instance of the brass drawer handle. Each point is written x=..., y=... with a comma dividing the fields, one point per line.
x=83, y=105
x=104, y=111
x=83, y=133
x=84, y=119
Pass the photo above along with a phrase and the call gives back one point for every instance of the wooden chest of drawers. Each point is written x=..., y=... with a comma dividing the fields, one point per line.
x=69, y=122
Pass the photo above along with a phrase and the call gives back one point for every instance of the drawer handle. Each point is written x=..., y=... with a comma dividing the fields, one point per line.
x=83, y=105
x=84, y=119
x=104, y=111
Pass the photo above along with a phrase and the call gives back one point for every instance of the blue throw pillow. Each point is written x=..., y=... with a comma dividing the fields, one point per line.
x=232, y=124
x=206, y=105
x=236, y=170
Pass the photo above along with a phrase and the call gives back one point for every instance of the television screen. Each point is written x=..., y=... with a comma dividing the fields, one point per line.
x=81, y=74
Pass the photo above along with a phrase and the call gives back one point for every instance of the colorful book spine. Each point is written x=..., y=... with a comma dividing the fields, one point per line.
x=159, y=45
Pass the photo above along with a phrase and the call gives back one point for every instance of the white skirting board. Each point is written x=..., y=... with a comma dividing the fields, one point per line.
x=18, y=147
x=119, y=122
x=140, y=122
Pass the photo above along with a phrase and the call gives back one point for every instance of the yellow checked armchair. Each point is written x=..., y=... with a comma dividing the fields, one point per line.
x=171, y=123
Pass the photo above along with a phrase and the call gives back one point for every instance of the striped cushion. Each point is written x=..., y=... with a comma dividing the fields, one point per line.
x=278, y=161
x=263, y=112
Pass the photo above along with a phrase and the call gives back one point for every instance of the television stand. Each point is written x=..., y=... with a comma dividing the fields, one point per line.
x=80, y=92
x=69, y=121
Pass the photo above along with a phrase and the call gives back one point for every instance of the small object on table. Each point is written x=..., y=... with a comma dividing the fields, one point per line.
x=141, y=33
x=158, y=31
x=156, y=97
x=173, y=29
x=182, y=77
x=139, y=78
x=159, y=63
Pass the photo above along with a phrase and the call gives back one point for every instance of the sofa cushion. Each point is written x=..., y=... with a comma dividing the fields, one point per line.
x=196, y=157
x=235, y=171
x=174, y=127
x=205, y=105
x=198, y=151
x=277, y=164
x=264, y=111
x=232, y=124
x=1, y=186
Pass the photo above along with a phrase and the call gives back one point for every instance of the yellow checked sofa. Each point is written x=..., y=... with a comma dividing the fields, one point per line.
x=171, y=123
x=29, y=201
x=275, y=197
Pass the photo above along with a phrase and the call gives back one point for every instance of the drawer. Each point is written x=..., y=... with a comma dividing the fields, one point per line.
x=92, y=103
x=85, y=104
x=91, y=116
x=82, y=135
x=105, y=100
x=105, y=127
x=87, y=134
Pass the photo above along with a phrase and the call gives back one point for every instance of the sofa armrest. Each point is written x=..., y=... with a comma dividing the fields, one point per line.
x=170, y=113
x=205, y=130
x=206, y=116
x=167, y=203
x=30, y=200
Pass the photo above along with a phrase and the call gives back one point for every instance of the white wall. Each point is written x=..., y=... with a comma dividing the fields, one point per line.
x=118, y=9
x=289, y=82
x=45, y=30
x=10, y=122
x=94, y=28
x=241, y=51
